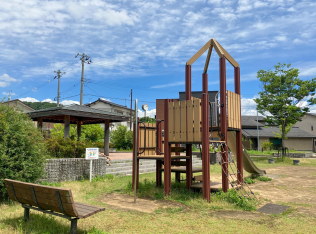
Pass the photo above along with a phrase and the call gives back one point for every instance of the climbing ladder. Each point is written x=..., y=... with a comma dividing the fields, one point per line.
x=239, y=185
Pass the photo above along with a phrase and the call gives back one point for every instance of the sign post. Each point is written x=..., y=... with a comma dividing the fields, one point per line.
x=92, y=153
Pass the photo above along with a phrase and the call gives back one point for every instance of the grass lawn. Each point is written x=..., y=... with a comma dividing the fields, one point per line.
x=182, y=212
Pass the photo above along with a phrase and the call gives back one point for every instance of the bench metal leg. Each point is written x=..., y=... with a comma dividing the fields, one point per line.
x=26, y=214
x=73, y=228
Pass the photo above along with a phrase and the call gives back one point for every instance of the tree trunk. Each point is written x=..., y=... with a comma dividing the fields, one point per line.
x=282, y=142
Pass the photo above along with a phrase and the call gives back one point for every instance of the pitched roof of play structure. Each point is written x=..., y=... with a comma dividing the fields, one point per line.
x=269, y=132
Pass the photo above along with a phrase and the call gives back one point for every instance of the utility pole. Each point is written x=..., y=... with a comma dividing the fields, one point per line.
x=84, y=59
x=130, y=124
x=10, y=95
x=59, y=74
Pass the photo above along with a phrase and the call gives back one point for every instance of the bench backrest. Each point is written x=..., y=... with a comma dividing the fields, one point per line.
x=44, y=197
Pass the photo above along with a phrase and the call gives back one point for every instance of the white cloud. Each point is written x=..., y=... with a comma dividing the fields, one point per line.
x=7, y=94
x=5, y=80
x=177, y=83
x=150, y=113
x=69, y=102
x=28, y=99
x=49, y=100
x=280, y=38
x=105, y=99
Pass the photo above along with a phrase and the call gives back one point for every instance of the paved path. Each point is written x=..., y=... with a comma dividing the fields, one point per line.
x=121, y=156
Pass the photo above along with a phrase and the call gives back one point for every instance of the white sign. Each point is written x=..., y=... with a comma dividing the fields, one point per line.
x=92, y=153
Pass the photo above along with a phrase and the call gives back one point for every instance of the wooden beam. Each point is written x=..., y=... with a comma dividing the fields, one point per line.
x=230, y=59
x=217, y=48
x=106, y=137
x=208, y=57
x=199, y=53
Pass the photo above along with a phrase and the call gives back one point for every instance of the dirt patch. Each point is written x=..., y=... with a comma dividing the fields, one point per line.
x=126, y=202
x=296, y=187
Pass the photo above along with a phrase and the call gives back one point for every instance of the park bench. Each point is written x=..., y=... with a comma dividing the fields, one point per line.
x=50, y=200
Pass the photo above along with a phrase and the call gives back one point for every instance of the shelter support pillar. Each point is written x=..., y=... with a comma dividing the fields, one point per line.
x=224, y=149
x=167, y=151
x=106, y=137
x=188, y=146
x=66, y=126
x=40, y=123
x=79, y=128
x=205, y=140
x=240, y=165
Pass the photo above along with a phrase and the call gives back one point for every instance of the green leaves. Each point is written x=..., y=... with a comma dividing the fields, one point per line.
x=121, y=138
x=22, y=147
x=284, y=96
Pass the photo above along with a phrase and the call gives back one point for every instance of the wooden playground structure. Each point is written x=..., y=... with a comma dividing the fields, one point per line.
x=188, y=122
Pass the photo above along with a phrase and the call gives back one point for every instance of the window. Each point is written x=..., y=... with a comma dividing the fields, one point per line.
x=312, y=128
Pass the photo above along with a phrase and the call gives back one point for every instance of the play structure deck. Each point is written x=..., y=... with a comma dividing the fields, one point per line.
x=196, y=121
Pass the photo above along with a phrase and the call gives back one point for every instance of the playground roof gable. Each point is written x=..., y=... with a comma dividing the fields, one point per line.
x=218, y=48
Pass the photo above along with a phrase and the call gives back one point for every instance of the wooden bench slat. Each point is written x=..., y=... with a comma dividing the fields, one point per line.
x=49, y=196
x=40, y=188
x=79, y=204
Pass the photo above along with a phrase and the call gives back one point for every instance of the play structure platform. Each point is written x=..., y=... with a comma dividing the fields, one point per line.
x=197, y=121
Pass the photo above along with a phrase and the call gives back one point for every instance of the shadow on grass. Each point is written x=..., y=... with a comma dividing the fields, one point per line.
x=42, y=224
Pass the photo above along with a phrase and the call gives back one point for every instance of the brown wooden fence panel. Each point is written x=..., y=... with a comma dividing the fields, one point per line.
x=197, y=119
x=183, y=120
x=190, y=120
x=233, y=108
x=177, y=121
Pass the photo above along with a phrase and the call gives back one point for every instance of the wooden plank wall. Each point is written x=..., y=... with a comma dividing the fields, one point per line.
x=150, y=138
x=185, y=121
x=233, y=107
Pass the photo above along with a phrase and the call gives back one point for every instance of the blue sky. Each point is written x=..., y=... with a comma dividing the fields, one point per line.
x=144, y=45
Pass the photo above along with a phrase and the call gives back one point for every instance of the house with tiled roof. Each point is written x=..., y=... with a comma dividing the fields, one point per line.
x=298, y=138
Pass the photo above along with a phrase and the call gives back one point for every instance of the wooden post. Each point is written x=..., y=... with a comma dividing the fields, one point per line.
x=106, y=137
x=240, y=165
x=66, y=125
x=159, y=162
x=205, y=140
x=79, y=128
x=167, y=152
x=222, y=82
x=40, y=123
x=188, y=146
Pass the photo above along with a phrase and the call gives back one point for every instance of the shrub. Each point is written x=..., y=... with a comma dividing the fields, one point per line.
x=59, y=147
x=22, y=148
x=121, y=138
x=93, y=132
x=266, y=145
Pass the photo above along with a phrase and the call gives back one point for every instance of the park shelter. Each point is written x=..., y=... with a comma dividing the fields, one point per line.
x=80, y=115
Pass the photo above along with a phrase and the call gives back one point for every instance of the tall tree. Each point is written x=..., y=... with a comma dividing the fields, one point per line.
x=285, y=98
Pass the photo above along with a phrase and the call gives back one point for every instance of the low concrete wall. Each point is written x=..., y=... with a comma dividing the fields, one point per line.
x=297, y=155
x=68, y=169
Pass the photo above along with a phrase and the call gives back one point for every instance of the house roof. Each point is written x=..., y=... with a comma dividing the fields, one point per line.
x=269, y=132
x=85, y=114
x=313, y=114
x=108, y=102
x=250, y=122
x=19, y=101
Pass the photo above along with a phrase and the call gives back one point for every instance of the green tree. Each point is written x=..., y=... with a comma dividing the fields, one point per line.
x=147, y=119
x=91, y=132
x=41, y=105
x=121, y=138
x=22, y=148
x=283, y=96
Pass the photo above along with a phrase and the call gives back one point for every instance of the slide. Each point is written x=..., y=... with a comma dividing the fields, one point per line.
x=249, y=166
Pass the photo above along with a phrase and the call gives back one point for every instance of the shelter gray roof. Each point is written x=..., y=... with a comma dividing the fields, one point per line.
x=85, y=114
x=269, y=132
x=250, y=122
